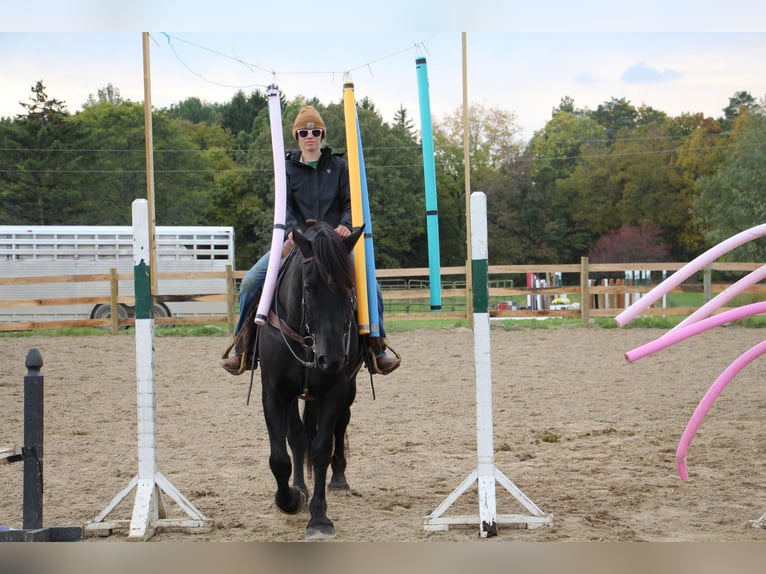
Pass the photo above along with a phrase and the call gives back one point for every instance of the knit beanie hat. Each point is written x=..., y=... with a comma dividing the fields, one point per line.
x=308, y=119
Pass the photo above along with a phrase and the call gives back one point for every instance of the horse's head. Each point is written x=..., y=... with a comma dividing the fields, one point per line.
x=328, y=292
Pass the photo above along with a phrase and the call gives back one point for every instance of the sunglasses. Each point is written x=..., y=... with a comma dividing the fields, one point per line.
x=304, y=133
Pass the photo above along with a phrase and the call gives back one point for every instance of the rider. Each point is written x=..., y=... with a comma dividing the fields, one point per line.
x=318, y=189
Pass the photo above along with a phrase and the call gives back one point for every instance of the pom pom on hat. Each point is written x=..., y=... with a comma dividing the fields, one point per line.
x=308, y=119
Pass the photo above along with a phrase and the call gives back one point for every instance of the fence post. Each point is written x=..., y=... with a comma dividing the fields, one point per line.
x=113, y=294
x=584, y=291
x=708, y=282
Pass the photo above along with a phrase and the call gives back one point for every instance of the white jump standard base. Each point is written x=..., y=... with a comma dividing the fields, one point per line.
x=436, y=522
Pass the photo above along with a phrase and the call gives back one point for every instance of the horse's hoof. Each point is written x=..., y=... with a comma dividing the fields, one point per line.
x=338, y=486
x=292, y=508
x=320, y=532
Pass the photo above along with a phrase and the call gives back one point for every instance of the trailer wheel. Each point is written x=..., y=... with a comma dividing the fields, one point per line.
x=105, y=312
x=160, y=310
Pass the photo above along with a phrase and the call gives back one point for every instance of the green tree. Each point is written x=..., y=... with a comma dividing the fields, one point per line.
x=451, y=197
x=112, y=164
x=699, y=156
x=637, y=179
x=238, y=114
x=37, y=185
x=556, y=149
x=740, y=102
x=107, y=94
x=731, y=199
x=196, y=111
x=520, y=226
x=615, y=115
x=494, y=142
x=545, y=226
x=396, y=189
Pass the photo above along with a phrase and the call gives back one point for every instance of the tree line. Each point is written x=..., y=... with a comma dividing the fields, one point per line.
x=617, y=184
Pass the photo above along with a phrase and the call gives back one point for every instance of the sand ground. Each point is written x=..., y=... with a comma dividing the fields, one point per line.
x=587, y=436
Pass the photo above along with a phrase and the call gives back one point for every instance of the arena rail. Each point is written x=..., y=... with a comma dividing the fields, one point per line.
x=591, y=290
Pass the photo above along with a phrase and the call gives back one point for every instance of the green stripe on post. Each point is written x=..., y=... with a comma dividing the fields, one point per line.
x=143, y=289
x=480, y=270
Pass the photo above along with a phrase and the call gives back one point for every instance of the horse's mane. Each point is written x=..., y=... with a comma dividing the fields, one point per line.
x=331, y=258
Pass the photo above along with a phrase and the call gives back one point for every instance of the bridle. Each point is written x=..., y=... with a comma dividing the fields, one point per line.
x=307, y=339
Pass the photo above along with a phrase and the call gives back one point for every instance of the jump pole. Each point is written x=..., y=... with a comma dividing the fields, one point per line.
x=357, y=208
x=369, y=247
x=486, y=474
x=280, y=206
x=149, y=511
x=429, y=172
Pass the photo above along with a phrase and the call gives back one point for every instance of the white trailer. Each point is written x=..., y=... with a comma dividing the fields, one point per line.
x=67, y=251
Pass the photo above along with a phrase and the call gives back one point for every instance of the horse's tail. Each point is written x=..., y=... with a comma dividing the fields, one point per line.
x=310, y=426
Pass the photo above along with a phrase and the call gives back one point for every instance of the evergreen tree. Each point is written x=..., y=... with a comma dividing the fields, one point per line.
x=39, y=183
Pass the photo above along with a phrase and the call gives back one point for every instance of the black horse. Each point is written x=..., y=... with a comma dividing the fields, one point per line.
x=312, y=350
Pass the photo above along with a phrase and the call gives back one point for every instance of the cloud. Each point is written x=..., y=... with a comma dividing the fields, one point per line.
x=642, y=74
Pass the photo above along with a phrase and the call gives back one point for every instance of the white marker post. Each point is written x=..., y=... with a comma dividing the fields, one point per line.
x=485, y=474
x=149, y=508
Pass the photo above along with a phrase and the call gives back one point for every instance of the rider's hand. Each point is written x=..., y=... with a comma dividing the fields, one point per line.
x=343, y=231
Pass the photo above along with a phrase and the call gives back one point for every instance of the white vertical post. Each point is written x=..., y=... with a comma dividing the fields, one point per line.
x=146, y=508
x=483, y=368
x=485, y=474
x=149, y=483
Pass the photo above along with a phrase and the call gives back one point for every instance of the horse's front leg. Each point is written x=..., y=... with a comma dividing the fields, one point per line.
x=296, y=438
x=289, y=500
x=319, y=524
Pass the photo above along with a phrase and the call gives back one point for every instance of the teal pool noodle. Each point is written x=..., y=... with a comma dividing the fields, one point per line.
x=369, y=251
x=429, y=172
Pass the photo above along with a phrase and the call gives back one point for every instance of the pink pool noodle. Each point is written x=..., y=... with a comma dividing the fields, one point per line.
x=687, y=270
x=707, y=401
x=724, y=297
x=280, y=206
x=673, y=337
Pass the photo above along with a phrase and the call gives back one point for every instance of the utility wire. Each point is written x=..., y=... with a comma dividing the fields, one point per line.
x=418, y=47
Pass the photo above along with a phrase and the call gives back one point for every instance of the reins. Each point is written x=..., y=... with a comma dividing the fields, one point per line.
x=307, y=341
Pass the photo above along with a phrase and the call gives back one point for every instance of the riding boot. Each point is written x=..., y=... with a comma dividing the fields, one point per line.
x=234, y=357
x=380, y=361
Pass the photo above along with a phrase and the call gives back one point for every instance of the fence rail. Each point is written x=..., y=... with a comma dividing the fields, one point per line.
x=591, y=289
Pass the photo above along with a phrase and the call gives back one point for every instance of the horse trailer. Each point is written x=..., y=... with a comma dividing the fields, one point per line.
x=70, y=251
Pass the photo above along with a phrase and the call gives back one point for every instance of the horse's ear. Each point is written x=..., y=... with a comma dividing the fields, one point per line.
x=351, y=240
x=311, y=222
x=303, y=244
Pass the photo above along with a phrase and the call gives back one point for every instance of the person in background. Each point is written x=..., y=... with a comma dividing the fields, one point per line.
x=317, y=189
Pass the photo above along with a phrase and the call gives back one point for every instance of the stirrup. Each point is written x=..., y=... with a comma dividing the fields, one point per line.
x=374, y=358
x=241, y=368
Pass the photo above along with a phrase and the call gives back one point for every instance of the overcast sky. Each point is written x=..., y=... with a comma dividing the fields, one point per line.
x=522, y=59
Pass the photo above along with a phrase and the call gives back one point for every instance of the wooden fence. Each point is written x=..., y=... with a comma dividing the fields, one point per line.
x=597, y=290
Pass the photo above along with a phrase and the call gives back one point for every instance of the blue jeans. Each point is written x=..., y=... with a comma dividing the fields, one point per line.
x=252, y=285
x=250, y=289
